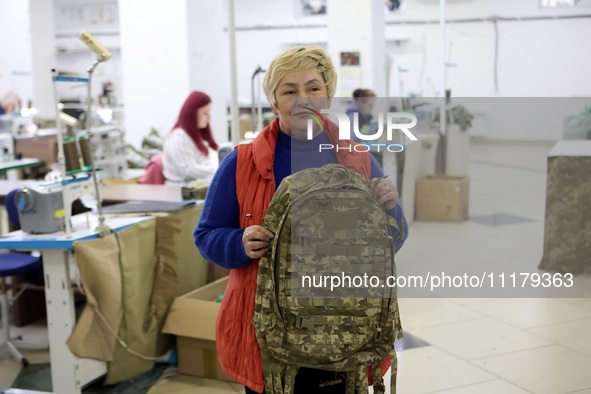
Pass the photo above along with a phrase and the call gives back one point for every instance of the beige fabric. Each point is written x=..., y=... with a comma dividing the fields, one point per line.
x=180, y=267
x=98, y=263
x=159, y=261
x=138, y=259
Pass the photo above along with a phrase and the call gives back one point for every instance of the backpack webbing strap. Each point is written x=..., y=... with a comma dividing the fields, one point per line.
x=401, y=229
x=272, y=375
x=351, y=382
x=279, y=377
x=290, y=375
x=394, y=362
x=361, y=380
x=378, y=380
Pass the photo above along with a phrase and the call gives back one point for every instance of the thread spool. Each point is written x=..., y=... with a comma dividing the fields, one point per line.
x=85, y=151
x=71, y=154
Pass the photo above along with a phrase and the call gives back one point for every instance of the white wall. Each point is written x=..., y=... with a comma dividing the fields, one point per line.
x=154, y=59
x=257, y=46
x=15, y=49
x=101, y=19
x=208, y=58
x=536, y=58
x=364, y=36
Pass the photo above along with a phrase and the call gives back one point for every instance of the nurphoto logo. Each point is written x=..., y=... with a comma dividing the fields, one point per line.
x=392, y=123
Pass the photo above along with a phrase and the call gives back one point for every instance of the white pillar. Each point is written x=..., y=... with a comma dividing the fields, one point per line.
x=209, y=58
x=358, y=26
x=169, y=49
x=42, y=13
x=154, y=63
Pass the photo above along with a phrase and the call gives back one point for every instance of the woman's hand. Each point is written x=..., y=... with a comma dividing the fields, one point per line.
x=384, y=192
x=256, y=241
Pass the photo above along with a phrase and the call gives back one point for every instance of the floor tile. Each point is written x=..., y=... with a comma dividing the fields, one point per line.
x=184, y=384
x=497, y=335
x=9, y=369
x=494, y=387
x=574, y=301
x=530, y=312
x=498, y=219
x=575, y=335
x=428, y=369
x=468, y=301
x=547, y=370
x=10, y=366
x=416, y=313
x=480, y=338
x=584, y=303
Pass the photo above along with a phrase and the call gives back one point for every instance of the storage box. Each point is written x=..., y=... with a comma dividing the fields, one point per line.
x=192, y=319
x=43, y=148
x=442, y=198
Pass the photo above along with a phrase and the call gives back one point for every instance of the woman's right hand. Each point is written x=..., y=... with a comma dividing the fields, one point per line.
x=256, y=241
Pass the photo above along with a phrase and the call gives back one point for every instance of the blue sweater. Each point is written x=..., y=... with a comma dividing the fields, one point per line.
x=218, y=234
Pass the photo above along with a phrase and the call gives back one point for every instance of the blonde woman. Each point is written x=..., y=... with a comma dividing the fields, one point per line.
x=229, y=231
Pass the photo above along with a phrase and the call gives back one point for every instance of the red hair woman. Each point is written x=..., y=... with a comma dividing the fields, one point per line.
x=189, y=149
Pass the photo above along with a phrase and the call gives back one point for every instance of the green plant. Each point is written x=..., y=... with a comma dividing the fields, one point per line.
x=460, y=115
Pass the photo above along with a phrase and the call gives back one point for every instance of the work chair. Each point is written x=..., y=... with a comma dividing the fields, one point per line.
x=154, y=174
x=12, y=264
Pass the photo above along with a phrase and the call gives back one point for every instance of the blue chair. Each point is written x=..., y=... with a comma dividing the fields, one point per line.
x=12, y=264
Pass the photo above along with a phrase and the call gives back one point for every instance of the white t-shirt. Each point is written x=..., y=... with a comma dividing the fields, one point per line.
x=183, y=162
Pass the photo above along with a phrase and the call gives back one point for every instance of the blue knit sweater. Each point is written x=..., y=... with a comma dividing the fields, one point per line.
x=218, y=234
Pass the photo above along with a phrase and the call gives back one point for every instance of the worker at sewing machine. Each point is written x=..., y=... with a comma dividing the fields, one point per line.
x=190, y=150
x=9, y=103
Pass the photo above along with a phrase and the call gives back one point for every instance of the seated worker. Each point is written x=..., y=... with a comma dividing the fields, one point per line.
x=363, y=102
x=186, y=155
x=9, y=103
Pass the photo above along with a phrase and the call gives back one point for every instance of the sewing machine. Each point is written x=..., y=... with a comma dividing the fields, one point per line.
x=42, y=207
x=47, y=207
x=6, y=147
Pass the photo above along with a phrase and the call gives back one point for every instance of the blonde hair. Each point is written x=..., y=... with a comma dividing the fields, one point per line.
x=298, y=59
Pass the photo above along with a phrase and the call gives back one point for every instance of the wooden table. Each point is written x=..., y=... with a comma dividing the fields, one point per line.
x=122, y=192
x=113, y=192
x=68, y=372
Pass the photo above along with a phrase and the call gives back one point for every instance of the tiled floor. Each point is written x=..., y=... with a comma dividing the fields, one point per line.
x=479, y=343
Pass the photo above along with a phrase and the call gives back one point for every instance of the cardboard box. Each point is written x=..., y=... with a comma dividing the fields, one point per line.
x=245, y=124
x=192, y=319
x=442, y=198
x=43, y=148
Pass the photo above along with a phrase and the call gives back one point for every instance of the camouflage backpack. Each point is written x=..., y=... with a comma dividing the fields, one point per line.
x=326, y=223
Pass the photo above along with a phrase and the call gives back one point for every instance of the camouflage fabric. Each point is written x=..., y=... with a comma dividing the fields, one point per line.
x=567, y=227
x=326, y=223
x=195, y=190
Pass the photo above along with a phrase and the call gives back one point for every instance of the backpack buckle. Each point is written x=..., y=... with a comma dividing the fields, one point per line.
x=299, y=321
x=378, y=331
x=308, y=324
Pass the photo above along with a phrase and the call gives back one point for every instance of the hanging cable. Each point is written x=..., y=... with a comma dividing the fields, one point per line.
x=496, y=60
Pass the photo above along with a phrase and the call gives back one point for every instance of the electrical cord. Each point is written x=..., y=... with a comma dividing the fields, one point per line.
x=105, y=231
x=496, y=61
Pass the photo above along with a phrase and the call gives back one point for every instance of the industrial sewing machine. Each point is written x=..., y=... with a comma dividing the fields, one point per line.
x=6, y=147
x=44, y=207
x=47, y=207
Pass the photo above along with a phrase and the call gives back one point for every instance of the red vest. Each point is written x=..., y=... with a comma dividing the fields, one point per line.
x=237, y=347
